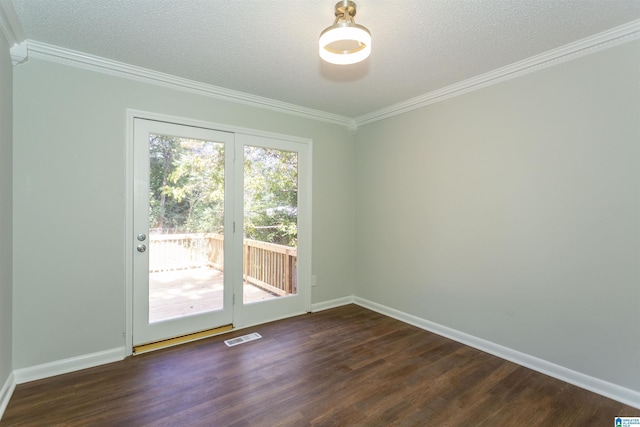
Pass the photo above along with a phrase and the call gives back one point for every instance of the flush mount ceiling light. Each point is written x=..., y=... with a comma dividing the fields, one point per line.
x=345, y=42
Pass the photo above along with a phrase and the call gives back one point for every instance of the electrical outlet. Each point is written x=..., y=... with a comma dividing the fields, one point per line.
x=314, y=280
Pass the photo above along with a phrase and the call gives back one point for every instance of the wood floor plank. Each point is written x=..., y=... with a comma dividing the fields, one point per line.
x=342, y=367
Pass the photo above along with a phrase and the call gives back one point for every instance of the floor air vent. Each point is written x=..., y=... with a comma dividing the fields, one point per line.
x=243, y=339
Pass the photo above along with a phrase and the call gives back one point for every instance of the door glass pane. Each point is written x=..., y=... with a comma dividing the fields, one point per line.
x=186, y=227
x=270, y=223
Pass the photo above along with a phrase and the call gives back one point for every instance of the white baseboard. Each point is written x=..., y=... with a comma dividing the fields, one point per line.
x=6, y=392
x=604, y=388
x=325, y=305
x=64, y=366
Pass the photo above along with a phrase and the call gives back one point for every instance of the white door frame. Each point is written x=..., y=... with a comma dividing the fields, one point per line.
x=304, y=244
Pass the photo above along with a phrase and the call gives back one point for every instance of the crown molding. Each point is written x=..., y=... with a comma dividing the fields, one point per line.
x=597, y=42
x=95, y=63
x=10, y=26
x=604, y=40
x=19, y=53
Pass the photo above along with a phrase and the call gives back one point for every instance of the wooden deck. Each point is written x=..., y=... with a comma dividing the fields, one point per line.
x=185, y=292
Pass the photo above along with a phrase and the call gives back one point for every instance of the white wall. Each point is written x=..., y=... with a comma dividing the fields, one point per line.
x=6, y=136
x=512, y=213
x=69, y=202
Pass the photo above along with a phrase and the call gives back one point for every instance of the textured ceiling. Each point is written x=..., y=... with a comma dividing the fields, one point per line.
x=269, y=48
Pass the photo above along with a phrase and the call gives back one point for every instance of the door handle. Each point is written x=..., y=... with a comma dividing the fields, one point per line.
x=141, y=248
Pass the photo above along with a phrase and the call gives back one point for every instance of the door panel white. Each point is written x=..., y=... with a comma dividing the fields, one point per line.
x=183, y=181
x=274, y=260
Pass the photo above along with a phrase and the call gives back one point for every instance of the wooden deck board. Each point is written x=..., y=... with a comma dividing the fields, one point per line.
x=181, y=293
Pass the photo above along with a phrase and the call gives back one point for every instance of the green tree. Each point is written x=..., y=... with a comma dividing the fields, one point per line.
x=165, y=212
x=198, y=180
x=271, y=195
x=187, y=189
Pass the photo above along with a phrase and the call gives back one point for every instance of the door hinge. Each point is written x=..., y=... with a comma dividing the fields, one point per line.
x=234, y=226
x=234, y=300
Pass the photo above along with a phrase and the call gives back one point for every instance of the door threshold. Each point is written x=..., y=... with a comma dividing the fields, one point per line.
x=145, y=348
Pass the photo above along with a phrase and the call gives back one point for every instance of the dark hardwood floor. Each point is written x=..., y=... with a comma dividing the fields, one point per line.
x=342, y=367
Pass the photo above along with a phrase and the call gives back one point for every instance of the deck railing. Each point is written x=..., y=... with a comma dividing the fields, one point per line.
x=269, y=266
x=266, y=265
x=169, y=252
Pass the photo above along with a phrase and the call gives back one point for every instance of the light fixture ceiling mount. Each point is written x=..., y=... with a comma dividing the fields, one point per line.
x=345, y=42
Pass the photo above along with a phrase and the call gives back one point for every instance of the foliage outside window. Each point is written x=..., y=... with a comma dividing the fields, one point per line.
x=187, y=189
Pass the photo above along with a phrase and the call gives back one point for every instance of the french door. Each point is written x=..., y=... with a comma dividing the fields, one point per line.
x=218, y=218
x=177, y=170
x=274, y=213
